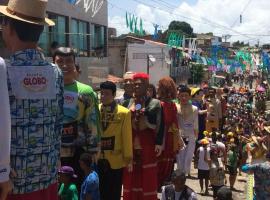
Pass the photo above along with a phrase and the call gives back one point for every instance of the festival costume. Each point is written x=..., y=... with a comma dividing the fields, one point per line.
x=216, y=115
x=5, y=125
x=116, y=146
x=147, y=123
x=81, y=126
x=188, y=124
x=171, y=144
x=36, y=107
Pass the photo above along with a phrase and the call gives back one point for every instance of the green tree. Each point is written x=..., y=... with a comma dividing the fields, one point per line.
x=183, y=28
x=196, y=73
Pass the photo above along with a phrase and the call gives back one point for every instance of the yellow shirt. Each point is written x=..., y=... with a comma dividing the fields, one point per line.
x=116, y=140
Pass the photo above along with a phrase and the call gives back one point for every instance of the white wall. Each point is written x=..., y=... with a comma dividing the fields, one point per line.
x=137, y=60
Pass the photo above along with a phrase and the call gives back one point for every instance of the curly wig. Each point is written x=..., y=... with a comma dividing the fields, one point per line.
x=167, y=88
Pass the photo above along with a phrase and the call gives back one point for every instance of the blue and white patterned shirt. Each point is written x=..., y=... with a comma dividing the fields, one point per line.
x=262, y=179
x=36, y=120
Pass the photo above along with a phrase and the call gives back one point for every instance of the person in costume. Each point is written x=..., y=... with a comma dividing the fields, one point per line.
x=214, y=111
x=116, y=142
x=81, y=115
x=210, y=117
x=36, y=103
x=147, y=130
x=5, y=127
x=167, y=92
x=188, y=124
x=128, y=88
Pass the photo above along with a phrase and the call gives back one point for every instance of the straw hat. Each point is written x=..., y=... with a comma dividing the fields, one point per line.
x=204, y=141
x=30, y=11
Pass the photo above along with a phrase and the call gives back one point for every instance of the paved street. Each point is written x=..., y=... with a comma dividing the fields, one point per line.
x=237, y=195
x=239, y=185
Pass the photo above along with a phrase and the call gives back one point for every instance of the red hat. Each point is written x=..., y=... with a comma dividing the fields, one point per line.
x=141, y=75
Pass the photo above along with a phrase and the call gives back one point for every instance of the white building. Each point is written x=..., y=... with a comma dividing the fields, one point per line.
x=159, y=62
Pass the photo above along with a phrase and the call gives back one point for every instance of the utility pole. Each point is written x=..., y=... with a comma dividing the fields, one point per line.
x=148, y=63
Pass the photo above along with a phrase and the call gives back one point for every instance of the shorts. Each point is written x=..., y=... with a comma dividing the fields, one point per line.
x=203, y=174
x=232, y=170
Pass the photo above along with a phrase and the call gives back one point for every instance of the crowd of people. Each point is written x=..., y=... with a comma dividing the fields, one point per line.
x=62, y=140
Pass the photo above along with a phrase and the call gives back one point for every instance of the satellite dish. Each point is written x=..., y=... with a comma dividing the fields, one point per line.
x=152, y=58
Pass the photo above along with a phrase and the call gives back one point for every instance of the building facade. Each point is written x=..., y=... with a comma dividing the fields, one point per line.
x=80, y=24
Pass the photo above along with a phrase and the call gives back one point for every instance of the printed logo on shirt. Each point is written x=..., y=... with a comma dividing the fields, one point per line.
x=70, y=132
x=70, y=99
x=35, y=82
x=32, y=82
x=107, y=143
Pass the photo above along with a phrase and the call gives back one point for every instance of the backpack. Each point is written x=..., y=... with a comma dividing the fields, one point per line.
x=170, y=193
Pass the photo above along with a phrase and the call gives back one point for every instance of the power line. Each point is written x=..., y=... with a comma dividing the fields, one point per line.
x=171, y=12
x=246, y=6
x=140, y=17
x=214, y=24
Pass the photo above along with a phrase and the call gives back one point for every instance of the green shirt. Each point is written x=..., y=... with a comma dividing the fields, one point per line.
x=81, y=118
x=232, y=158
x=69, y=192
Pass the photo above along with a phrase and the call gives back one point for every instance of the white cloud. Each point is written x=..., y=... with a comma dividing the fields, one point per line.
x=209, y=16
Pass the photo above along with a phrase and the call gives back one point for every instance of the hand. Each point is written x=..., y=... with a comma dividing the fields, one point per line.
x=130, y=167
x=158, y=150
x=182, y=144
x=5, y=188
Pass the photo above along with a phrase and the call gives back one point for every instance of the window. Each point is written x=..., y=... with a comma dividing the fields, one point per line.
x=98, y=39
x=79, y=37
x=44, y=40
x=58, y=32
x=54, y=34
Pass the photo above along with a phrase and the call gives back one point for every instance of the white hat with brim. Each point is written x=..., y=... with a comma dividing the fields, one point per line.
x=30, y=11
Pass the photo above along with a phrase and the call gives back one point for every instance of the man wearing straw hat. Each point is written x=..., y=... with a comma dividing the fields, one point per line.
x=36, y=102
